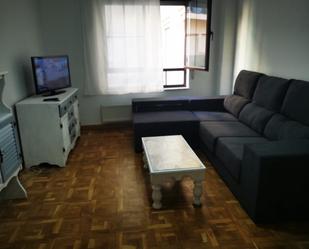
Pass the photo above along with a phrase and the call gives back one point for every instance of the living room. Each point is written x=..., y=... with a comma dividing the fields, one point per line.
x=102, y=198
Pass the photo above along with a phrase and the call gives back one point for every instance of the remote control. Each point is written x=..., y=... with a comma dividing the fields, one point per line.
x=51, y=99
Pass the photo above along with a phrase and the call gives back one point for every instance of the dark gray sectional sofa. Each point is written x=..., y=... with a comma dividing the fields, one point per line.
x=257, y=139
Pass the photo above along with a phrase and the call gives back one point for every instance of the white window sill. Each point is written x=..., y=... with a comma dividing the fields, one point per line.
x=176, y=88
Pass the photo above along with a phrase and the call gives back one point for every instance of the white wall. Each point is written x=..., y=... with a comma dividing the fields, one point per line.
x=226, y=38
x=61, y=22
x=19, y=40
x=273, y=37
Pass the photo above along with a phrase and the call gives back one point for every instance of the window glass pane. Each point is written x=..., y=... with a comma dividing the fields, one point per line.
x=197, y=18
x=172, y=78
x=173, y=33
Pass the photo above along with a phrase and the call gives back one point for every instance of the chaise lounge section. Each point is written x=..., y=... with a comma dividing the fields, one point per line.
x=157, y=117
x=257, y=139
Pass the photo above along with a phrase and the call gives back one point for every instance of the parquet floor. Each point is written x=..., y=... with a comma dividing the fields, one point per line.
x=102, y=199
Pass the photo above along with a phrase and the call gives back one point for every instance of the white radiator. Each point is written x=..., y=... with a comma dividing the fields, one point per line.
x=116, y=113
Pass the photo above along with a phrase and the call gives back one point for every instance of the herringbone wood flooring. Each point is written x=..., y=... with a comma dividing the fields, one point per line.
x=102, y=199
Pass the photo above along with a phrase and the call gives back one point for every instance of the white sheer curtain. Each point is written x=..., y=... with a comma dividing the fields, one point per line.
x=122, y=46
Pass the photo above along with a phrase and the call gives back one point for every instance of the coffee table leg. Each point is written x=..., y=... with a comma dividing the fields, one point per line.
x=197, y=191
x=156, y=196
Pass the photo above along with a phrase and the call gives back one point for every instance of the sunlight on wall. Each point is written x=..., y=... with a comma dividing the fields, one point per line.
x=226, y=46
x=249, y=43
x=242, y=43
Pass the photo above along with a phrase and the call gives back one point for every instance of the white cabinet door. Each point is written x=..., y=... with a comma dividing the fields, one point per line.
x=66, y=133
x=76, y=115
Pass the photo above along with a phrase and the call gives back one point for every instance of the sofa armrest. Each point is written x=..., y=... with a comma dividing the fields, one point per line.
x=214, y=104
x=275, y=179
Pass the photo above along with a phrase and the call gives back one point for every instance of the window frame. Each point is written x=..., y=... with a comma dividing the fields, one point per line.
x=207, y=47
x=209, y=34
x=173, y=70
x=165, y=70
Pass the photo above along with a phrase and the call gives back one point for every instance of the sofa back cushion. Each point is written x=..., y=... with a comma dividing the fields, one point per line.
x=280, y=127
x=159, y=104
x=245, y=83
x=243, y=90
x=207, y=103
x=267, y=100
x=296, y=102
x=234, y=104
x=255, y=116
x=270, y=91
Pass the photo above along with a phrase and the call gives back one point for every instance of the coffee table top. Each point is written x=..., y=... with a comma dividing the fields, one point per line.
x=170, y=153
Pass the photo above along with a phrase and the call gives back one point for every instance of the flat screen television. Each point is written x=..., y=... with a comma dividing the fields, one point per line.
x=51, y=73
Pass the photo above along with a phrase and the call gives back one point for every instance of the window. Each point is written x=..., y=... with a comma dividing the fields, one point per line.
x=122, y=47
x=173, y=45
x=122, y=44
x=185, y=28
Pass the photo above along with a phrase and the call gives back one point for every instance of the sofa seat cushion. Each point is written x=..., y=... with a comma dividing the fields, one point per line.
x=214, y=116
x=234, y=104
x=279, y=127
x=255, y=116
x=159, y=117
x=210, y=131
x=230, y=152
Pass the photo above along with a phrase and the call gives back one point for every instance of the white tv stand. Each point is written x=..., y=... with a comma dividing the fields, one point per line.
x=48, y=129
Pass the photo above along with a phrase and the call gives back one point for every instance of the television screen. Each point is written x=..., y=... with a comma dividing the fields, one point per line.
x=51, y=73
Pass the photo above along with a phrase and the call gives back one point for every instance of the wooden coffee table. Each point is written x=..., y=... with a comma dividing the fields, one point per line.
x=170, y=157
